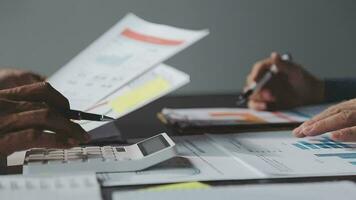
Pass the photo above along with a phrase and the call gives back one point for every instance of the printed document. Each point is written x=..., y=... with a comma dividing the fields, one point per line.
x=199, y=159
x=150, y=86
x=280, y=154
x=126, y=51
x=82, y=186
x=246, y=156
x=343, y=190
x=230, y=116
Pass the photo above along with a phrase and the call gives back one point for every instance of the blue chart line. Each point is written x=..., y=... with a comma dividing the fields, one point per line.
x=320, y=143
x=340, y=155
x=328, y=144
x=353, y=163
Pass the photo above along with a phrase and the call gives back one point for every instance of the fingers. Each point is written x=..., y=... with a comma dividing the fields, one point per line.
x=38, y=92
x=334, y=122
x=276, y=93
x=257, y=105
x=347, y=105
x=11, y=77
x=338, y=112
x=32, y=77
x=345, y=135
x=261, y=100
x=30, y=138
x=260, y=68
x=10, y=106
x=43, y=119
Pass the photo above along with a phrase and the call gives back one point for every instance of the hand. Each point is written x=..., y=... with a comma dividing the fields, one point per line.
x=339, y=119
x=34, y=116
x=14, y=77
x=292, y=86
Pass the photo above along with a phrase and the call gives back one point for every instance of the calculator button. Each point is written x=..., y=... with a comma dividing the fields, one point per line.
x=92, y=156
x=93, y=153
x=54, y=157
x=35, y=157
x=74, y=154
x=34, y=151
x=75, y=157
x=76, y=149
x=120, y=149
x=92, y=148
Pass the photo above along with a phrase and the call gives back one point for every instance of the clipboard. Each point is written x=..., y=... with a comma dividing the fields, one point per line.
x=227, y=120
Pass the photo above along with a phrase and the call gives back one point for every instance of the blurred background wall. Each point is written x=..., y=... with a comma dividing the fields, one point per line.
x=42, y=35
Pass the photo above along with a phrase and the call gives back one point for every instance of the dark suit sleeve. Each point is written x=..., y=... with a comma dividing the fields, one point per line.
x=340, y=89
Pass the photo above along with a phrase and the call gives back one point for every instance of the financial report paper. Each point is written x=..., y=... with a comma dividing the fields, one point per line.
x=199, y=159
x=150, y=86
x=246, y=156
x=278, y=153
x=126, y=51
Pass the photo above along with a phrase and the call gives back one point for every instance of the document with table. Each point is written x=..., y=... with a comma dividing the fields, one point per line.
x=245, y=156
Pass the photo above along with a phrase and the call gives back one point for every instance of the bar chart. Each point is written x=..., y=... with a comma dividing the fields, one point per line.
x=321, y=143
x=346, y=152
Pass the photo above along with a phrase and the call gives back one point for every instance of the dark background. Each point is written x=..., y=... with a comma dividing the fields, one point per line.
x=42, y=35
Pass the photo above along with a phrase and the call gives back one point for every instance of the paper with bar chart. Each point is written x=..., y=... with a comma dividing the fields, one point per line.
x=122, y=71
x=281, y=154
x=126, y=51
x=227, y=116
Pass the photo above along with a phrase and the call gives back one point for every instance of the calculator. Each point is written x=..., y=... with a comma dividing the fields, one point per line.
x=135, y=157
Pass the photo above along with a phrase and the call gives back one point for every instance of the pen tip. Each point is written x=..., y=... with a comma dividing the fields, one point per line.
x=107, y=118
x=240, y=102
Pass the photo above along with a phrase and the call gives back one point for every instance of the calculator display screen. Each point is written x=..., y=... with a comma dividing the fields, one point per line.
x=153, y=145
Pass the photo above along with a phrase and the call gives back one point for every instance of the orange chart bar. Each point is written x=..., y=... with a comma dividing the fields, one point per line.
x=150, y=39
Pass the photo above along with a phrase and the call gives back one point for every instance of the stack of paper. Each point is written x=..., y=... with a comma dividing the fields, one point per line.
x=122, y=71
x=55, y=188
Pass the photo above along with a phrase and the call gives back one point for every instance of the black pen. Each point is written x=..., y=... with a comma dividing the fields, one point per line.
x=254, y=87
x=80, y=115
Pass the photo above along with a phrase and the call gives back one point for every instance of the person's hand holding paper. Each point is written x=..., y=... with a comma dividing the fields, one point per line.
x=292, y=86
x=28, y=112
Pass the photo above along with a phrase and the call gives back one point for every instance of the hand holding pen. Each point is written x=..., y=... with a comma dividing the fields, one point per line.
x=36, y=115
x=278, y=83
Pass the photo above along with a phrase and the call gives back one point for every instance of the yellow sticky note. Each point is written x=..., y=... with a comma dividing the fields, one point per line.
x=130, y=99
x=179, y=186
